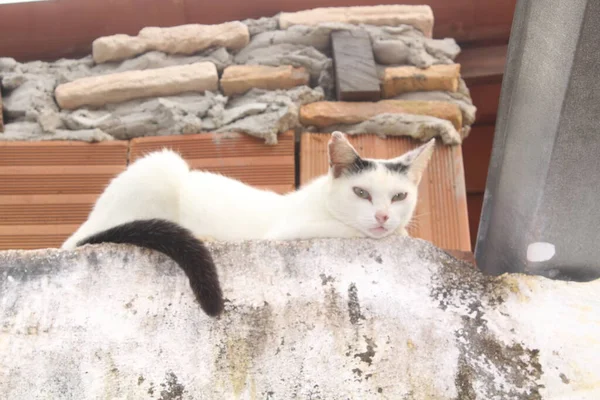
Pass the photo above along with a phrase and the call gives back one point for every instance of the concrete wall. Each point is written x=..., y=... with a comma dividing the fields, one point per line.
x=543, y=184
x=325, y=319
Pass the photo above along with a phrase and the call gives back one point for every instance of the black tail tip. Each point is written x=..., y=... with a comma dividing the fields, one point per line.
x=213, y=307
x=179, y=244
x=208, y=293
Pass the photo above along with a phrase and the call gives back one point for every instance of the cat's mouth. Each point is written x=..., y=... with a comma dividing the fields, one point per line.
x=380, y=230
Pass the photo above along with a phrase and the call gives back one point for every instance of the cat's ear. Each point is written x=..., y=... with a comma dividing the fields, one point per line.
x=341, y=154
x=417, y=161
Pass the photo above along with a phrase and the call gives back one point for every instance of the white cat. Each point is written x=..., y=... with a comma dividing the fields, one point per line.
x=358, y=197
x=159, y=203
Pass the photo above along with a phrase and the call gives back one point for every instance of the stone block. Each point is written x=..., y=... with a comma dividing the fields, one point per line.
x=183, y=39
x=394, y=318
x=238, y=79
x=355, y=71
x=325, y=113
x=115, y=88
x=118, y=47
x=189, y=39
x=420, y=17
x=397, y=80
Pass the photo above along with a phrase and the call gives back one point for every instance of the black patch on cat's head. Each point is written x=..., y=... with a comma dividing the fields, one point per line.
x=358, y=166
x=397, y=167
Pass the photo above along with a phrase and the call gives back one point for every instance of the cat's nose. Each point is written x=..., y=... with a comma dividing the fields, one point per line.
x=381, y=217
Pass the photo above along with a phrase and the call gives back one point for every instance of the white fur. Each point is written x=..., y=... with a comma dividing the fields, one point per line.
x=161, y=185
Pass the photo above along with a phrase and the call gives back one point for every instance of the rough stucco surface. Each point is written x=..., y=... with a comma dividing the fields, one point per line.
x=325, y=319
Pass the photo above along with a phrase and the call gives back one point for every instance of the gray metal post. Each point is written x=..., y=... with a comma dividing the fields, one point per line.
x=541, y=210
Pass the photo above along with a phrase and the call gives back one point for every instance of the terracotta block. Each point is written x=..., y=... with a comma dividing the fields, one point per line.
x=421, y=17
x=67, y=153
x=122, y=86
x=441, y=216
x=45, y=209
x=48, y=188
x=325, y=113
x=238, y=79
x=28, y=237
x=397, y=80
x=182, y=39
x=235, y=155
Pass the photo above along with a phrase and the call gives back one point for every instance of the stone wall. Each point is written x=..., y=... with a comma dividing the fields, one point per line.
x=323, y=319
x=252, y=76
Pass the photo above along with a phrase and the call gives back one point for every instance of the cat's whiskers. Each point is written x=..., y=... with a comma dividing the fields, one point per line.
x=415, y=216
x=415, y=221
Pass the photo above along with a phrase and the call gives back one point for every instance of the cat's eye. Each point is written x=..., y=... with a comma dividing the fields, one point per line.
x=399, y=196
x=363, y=194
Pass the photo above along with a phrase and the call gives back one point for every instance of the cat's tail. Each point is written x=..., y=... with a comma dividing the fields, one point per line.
x=177, y=243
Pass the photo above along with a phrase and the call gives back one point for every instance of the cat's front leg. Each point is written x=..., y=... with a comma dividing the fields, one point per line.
x=298, y=230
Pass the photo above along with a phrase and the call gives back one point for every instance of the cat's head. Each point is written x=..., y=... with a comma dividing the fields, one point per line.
x=377, y=197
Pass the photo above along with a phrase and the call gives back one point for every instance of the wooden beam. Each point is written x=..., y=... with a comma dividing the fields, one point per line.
x=477, y=150
x=486, y=98
x=482, y=65
x=355, y=71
